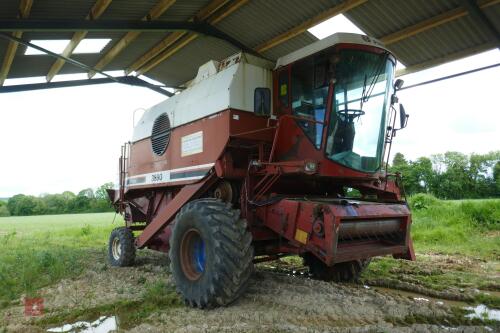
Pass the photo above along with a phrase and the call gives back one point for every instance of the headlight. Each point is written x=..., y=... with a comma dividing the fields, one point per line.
x=310, y=166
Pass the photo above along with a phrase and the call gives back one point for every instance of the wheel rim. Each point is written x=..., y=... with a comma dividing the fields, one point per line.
x=193, y=256
x=116, y=249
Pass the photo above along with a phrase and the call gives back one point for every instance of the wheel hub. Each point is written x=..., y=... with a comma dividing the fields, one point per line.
x=193, y=256
x=224, y=192
x=116, y=249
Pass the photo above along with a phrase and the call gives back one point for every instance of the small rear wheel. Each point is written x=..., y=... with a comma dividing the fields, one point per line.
x=210, y=254
x=342, y=272
x=121, y=247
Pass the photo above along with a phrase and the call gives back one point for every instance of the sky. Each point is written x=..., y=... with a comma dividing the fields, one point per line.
x=69, y=138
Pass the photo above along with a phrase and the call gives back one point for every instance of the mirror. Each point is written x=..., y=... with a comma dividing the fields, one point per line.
x=262, y=101
x=403, y=117
x=398, y=84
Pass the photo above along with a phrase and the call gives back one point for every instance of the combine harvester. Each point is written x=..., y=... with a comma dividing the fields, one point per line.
x=257, y=160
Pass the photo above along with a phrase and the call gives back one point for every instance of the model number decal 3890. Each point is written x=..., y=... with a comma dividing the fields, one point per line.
x=157, y=177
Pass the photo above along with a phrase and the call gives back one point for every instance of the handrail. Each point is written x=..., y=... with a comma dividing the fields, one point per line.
x=123, y=168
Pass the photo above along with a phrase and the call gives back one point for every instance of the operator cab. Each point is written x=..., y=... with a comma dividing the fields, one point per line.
x=339, y=91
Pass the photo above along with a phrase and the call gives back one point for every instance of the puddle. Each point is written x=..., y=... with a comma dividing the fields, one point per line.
x=423, y=299
x=489, y=292
x=101, y=325
x=288, y=271
x=420, y=298
x=481, y=311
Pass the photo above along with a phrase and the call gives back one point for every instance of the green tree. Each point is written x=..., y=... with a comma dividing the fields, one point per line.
x=455, y=181
x=55, y=203
x=14, y=203
x=4, y=211
x=423, y=174
x=88, y=192
x=399, y=161
x=22, y=205
x=409, y=176
x=101, y=193
x=68, y=195
x=496, y=178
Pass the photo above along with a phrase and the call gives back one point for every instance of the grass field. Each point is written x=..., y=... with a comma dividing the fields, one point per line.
x=26, y=225
x=465, y=227
x=38, y=251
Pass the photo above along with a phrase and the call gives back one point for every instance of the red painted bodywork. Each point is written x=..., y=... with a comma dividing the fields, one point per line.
x=288, y=215
x=278, y=195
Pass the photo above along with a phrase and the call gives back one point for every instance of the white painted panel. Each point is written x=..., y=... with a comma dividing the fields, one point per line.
x=207, y=97
x=232, y=87
x=244, y=83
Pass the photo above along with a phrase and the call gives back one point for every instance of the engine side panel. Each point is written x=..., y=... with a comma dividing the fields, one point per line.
x=191, y=153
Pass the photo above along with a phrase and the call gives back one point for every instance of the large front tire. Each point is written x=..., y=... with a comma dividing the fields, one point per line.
x=211, y=253
x=349, y=271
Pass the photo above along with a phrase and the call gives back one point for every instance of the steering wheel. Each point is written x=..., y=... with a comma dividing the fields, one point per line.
x=351, y=113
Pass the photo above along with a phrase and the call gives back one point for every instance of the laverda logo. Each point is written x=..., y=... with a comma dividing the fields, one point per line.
x=369, y=40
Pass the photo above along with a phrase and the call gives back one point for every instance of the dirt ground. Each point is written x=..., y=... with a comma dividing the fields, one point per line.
x=276, y=301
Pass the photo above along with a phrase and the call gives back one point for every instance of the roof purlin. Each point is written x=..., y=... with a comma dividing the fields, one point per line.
x=10, y=53
x=130, y=36
x=96, y=11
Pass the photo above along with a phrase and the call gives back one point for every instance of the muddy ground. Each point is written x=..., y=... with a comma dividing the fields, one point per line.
x=280, y=298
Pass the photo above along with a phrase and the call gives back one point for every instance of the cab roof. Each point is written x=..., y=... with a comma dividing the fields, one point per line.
x=325, y=43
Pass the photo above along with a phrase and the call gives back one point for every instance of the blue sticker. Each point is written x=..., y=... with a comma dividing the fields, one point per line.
x=351, y=211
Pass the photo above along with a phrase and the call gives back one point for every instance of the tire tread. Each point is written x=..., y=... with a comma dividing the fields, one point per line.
x=233, y=250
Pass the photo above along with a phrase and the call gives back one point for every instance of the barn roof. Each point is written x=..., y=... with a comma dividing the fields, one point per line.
x=168, y=40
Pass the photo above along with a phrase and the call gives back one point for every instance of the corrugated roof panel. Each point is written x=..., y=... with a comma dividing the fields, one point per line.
x=254, y=23
x=493, y=13
x=184, y=10
x=290, y=45
x=34, y=65
x=9, y=9
x=128, y=10
x=378, y=18
x=260, y=20
x=29, y=35
x=137, y=48
x=441, y=41
x=3, y=46
x=39, y=65
x=183, y=65
x=59, y=9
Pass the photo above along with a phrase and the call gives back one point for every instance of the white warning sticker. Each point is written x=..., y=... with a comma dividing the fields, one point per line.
x=192, y=144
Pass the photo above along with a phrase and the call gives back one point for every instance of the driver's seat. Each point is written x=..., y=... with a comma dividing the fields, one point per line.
x=344, y=135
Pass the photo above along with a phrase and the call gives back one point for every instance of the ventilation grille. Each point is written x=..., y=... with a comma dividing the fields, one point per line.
x=160, y=135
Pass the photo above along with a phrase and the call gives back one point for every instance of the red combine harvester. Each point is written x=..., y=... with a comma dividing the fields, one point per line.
x=257, y=160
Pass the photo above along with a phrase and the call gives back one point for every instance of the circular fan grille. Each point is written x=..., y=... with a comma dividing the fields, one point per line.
x=160, y=135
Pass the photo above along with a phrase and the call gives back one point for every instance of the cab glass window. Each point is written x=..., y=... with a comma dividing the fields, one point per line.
x=309, y=96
